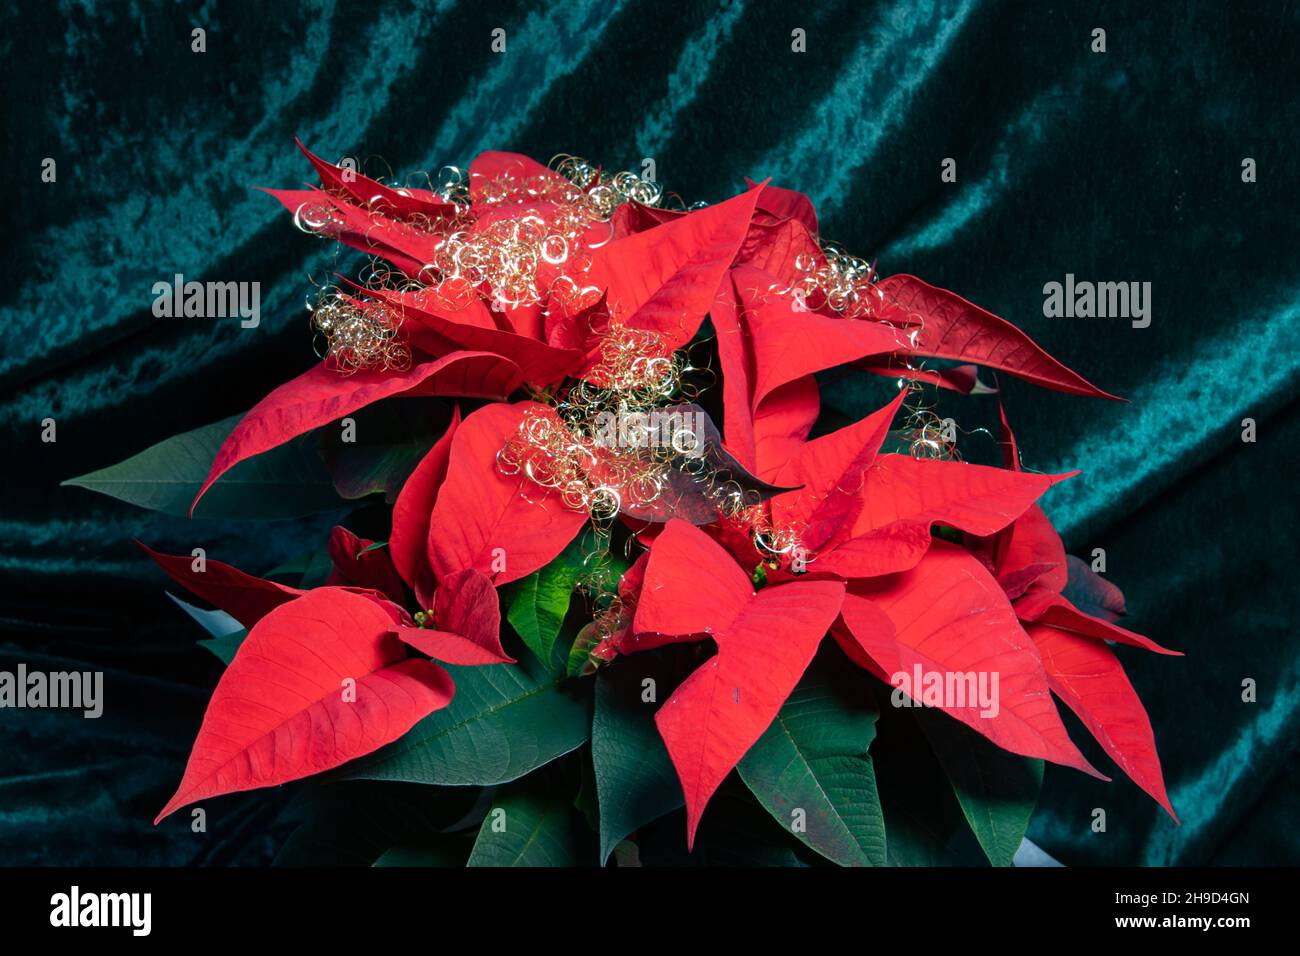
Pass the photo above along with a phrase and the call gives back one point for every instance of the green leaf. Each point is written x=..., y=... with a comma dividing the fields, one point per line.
x=504, y=721
x=627, y=854
x=997, y=790
x=532, y=823
x=539, y=602
x=226, y=633
x=361, y=822
x=577, y=661
x=389, y=439
x=924, y=823
x=635, y=778
x=224, y=646
x=587, y=802
x=813, y=758
x=286, y=482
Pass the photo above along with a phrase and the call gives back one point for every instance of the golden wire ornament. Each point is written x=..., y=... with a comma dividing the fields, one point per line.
x=359, y=337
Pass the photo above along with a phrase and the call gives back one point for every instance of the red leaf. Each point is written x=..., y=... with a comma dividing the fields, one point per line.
x=363, y=191
x=279, y=712
x=1088, y=677
x=951, y=617
x=632, y=217
x=245, y=598
x=448, y=646
x=737, y=361
x=665, y=278
x=768, y=353
x=402, y=244
x=765, y=643
x=490, y=166
x=372, y=569
x=467, y=618
x=831, y=470
x=1043, y=606
x=483, y=517
x=888, y=550
x=467, y=604
x=409, y=540
x=438, y=334
x=322, y=395
x=953, y=328
x=1031, y=550
x=786, y=204
x=964, y=379
x=787, y=344
x=973, y=498
x=452, y=301
x=901, y=495
x=782, y=424
x=776, y=247
x=683, y=561
x=1090, y=592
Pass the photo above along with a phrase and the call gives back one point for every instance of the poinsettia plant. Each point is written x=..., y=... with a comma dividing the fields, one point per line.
x=629, y=594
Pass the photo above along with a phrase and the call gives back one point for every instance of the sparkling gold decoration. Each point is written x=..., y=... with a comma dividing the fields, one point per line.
x=359, y=336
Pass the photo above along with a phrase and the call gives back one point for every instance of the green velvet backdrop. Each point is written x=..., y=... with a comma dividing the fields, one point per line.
x=1123, y=165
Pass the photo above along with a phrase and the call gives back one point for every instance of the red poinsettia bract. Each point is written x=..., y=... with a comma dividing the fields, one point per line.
x=331, y=674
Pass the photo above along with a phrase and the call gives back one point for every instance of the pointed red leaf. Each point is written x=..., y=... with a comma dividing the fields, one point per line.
x=963, y=379
x=953, y=328
x=786, y=204
x=436, y=333
x=505, y=526
x=951, y=617
x=409, y=540
x=901, y=493
x=782, y=424
x=735, y=355
x=1031, y=551
x=888, y=550
x=1043, y=606
x=358, y=564
x=245, y=598
x=522, y=172
x=665, y=278
x=787, y=343
x=401, y=203
x=1088, y=677
x=1090, y=592
x=765, y=643
x=974, y=498
x=317, y=682
x=683, y=561
x=776, y=247
x=448, y=647
x=322, y=395
x=830, y=470
x=467, y=604
x=452, y=301
x=405, y=245
x=467, y=623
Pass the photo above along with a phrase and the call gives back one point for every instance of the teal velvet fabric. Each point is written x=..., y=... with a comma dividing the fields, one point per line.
x=1117, y=166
